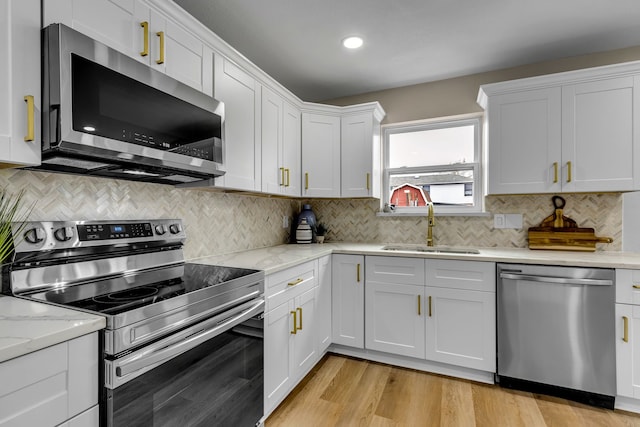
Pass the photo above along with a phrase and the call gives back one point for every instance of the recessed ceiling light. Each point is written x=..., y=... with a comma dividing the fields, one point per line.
x=352, y=42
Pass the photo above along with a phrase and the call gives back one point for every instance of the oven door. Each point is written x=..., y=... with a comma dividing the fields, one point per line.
x=208, y=374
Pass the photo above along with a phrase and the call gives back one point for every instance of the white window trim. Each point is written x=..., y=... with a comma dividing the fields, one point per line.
x=436, y=123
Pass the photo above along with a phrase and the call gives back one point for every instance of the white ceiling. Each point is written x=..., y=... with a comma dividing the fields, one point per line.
x=298, y=42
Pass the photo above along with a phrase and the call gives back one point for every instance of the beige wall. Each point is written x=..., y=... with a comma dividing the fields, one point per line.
x=458, y=96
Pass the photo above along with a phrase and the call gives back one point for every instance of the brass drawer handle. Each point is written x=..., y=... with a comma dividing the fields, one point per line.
x=419, y=306
x=368, y=178
x=281, y=176
x=299, y=310
x=568, y=171
x=295, y=322
x=145, y=42
x=430, y=306
x=555, y=172
x=358, y=273
x=295, y=282
x=636, y=286
x=288, y=172
x=625, y=336
x=161, y=58
x=31, y=127
x=306, y=180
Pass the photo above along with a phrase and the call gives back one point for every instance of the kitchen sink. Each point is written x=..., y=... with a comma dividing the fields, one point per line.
x=431, y=249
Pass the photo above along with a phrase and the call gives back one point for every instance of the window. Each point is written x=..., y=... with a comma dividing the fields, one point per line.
x=434, y=161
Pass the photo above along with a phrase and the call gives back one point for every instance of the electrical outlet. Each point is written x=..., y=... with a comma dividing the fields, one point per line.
x=285, y=221
x=507, y=221
x=498, y=221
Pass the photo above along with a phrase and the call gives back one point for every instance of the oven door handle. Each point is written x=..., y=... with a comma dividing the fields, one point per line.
x=153, y=356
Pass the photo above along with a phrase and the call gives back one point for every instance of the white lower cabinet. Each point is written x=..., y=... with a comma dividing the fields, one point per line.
x=324, y=304
x=292, y=343
x=52, y=386
x=347, y=300
x=628, y=335
x=394, y=314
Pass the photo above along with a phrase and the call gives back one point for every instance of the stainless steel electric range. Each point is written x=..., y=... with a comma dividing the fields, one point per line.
x=183, y=343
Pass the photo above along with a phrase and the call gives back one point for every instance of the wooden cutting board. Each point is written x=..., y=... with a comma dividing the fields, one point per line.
x=558, y=232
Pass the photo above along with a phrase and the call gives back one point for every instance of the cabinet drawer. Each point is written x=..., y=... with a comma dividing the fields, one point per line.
x=395, y=270
x=628, y=286
x=290, y=283
x=471, y=275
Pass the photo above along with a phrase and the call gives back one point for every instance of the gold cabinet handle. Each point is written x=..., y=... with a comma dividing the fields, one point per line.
x=368, y=178
x=555, y=172
x=288, y=172
x=295, y=282
x=281, y=176
x=429, y=305
x=625, y=336
x=161, y=57
x=31, y=127
x=568, y=171
x=636, y=286
x=306, y=180
x=145, y=35
x=299, y=310
x=419, y=306
x=295, y=322
x=358, y=273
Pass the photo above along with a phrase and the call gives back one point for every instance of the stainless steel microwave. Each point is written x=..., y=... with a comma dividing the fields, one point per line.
x=106, y=114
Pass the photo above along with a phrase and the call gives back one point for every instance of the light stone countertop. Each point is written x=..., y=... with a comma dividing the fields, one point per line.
x=281, y=257
x=27, y=326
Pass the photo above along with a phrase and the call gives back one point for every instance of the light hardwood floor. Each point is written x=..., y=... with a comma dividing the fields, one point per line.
x=343, y=391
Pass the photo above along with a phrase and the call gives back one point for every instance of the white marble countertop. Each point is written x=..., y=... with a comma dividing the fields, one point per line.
x=27, y=326
x=282, y=257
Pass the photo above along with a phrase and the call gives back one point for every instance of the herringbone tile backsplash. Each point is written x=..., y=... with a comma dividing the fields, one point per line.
x=218, y=222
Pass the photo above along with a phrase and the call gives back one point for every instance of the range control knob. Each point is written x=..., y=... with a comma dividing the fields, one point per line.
x=175, y=228
x=63, y=234
x=34, y=235
x=161, y=229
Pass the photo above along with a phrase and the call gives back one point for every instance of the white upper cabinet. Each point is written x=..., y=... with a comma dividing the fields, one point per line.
x=320, y=155
x=280, y=145
x=240, y=93
x=360, y=154
x=567, y=132
x=20, y=132
x=145, y=34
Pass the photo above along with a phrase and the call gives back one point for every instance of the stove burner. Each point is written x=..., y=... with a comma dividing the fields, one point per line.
x=125, y=296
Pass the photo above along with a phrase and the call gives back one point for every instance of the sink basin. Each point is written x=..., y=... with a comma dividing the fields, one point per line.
x=430, y=249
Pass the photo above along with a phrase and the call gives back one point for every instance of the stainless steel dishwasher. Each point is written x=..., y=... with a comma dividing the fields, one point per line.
x=556, y=329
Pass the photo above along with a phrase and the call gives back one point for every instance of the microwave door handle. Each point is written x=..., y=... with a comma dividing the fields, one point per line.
x=150, y=357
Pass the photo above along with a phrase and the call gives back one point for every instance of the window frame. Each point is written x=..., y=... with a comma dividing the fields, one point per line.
x=475, y=166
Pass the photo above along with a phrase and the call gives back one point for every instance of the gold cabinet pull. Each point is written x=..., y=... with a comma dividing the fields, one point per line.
x=419, y=306
x=295, y=282
x=358, y=273
x=555, y=172
x=306, y=180
x=288, y=172
x=368, y=178
x=145, y=41
x=295, y=322
x=625, y=336
x=636, y=286
x=31, y=127
x=161, y=57
x=299, y=310
x=281, y=176
x=569, y=171
x=429, y=305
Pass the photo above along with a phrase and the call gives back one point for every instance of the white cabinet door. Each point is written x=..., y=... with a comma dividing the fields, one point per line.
x=278, y=355
x=394, y=318
x=320, y=155
x=291, y=146
x=357, y=148
x=135, y=29
x=273, y=173
x=305, y=340
x=324, y=304
x=460, y=327
x=347, y=300
x=241, y=96
x=523, y=135
x=628, y=350
x=600, y=121
x=20, y=131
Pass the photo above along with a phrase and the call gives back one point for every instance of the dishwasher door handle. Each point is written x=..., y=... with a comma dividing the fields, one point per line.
x=558, y=280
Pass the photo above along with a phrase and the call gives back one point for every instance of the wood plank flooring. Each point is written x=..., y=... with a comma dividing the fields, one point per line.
x=343, y=391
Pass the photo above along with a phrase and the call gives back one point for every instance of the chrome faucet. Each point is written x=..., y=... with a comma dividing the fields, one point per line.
x=430, y=224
